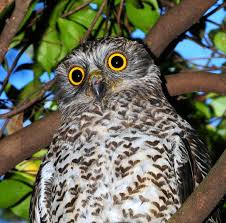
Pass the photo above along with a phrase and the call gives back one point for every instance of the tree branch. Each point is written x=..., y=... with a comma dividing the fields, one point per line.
x=205, y=197
x=21, y=145
x=12, y=26
x=88, y=32
x=187, y=82
x=189, y=12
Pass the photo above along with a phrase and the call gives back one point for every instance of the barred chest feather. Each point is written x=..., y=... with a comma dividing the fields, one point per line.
x=114, y=165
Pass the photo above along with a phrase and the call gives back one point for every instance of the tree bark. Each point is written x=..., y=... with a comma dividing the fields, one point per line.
x=176, y=21
x=12, y=25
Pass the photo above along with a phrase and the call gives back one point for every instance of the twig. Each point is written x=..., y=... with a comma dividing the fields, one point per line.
x=205, y=197
x=12, y=25
x=28, y=103
x=77, y=8
x=204, y=45
x=213, y=22
x=88, y=32
x=214, y=10
x=119, y=15
x=12, y=68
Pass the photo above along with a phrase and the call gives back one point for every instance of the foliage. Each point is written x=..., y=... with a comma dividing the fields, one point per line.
x=51, y=29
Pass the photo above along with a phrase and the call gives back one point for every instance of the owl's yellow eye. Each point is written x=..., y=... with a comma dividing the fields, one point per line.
x=117, y=62
x=76, y=75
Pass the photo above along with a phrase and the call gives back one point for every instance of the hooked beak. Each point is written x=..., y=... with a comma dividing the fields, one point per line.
x=97, y=83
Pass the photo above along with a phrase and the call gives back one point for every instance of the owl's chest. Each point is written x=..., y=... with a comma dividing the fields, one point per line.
x=116, y=171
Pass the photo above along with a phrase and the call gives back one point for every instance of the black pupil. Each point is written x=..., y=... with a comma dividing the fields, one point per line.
x=77, y=75
x=117, y=62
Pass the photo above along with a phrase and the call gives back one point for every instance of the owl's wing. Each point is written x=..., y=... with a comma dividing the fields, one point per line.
x=193, y=163
x=184, y=167
x=41, y=198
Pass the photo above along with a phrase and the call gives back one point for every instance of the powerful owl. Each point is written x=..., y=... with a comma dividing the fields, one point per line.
x=122, y=153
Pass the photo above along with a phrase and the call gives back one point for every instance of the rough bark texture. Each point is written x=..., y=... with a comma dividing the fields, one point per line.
x=12, y=26
x=176, y=21
x=187, y=82
x=22, y=144
x=205, y=197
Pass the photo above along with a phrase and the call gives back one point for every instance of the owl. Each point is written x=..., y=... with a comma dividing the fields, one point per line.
x=122, y=153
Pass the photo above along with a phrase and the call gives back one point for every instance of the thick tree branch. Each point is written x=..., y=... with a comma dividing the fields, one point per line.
x=22, y=144
x=188, y=12
x=187, y=82
x=25, y=142
x=205, y=197
x=12, y=25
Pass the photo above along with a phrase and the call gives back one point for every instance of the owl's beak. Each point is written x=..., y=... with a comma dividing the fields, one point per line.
x=97, y=84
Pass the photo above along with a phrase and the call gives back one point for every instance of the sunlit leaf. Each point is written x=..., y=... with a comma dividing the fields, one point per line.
x=143, y=18
x=15, y=123
x=220, y=41
x=23, y=177
x=49, y=50
x=70, y=33
x=17, y=40
x=11, y=191
x=22, y=209
x=57, y=12
x=40, y=153
x=201, y=107
x=83, y=17
x=29, y=166
x=219, y=105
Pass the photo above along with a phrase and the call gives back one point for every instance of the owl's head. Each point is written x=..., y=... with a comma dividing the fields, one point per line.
x=101, y=68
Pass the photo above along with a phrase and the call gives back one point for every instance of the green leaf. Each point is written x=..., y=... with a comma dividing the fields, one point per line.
x=41, y=153
x=83, y=17
x=201, y=107
x=17, y=40
x=22, y=209
x=11, y=191
x=143, y=18
x=23, y=177
x=70, y=33
x=219, y=40
x=136, y=3
x=219, y=105
x=38, y=70
x=49, y=49
x=29, y=166
x=57, y=11
x=29, y=90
